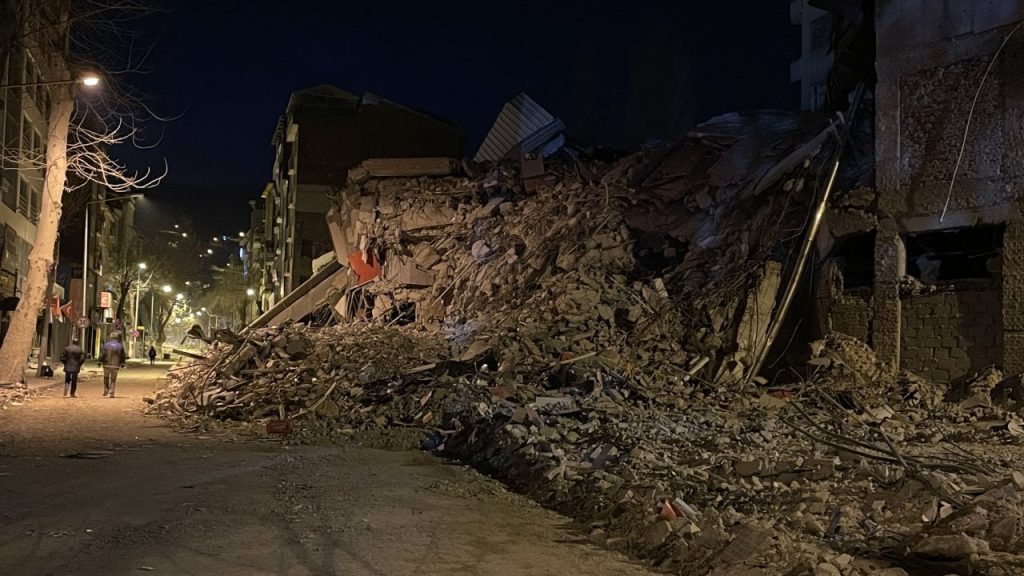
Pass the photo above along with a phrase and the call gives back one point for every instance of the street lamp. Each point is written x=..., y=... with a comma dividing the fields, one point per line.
x=85, y=259
x=135, y=315
x=87, y=79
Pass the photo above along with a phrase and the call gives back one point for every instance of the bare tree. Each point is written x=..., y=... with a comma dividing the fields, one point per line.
x=172, y=255
x=80, y=131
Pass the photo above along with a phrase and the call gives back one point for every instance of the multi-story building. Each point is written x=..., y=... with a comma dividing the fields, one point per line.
x=28, y=63
x=323, y=133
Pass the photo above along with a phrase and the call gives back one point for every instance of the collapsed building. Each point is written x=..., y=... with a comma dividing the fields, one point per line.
x=600, y=332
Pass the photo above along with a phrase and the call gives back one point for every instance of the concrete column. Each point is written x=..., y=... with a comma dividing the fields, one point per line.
x=1013, y=297
x=890, y=265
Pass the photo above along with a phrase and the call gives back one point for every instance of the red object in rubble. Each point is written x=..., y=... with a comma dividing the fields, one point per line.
x=366, y=269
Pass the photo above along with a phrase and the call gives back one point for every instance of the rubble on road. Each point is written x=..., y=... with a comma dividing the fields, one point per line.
x=588, y=345
x=13, y=395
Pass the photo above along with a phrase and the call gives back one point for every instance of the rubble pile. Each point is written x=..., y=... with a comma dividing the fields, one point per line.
x=783, y=480
x=585, y=334
x=12, y=395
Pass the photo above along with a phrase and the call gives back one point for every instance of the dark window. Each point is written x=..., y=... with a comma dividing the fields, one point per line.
x=10, y=188
x=855, y=256
x=956, y=254
x=24, y=197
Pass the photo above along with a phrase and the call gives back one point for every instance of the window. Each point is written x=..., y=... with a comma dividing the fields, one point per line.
x=25, y=145
x=10, y=189
x=24, y=196
x=957, y=254
x=855, y=256
x=34, y=213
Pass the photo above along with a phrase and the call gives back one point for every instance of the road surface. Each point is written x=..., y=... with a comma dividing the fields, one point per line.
x=89, y=487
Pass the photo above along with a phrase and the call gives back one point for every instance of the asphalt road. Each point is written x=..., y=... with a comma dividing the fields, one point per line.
x=89, y=486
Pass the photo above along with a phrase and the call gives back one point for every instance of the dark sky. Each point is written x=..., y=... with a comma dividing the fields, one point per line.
x=612, y=70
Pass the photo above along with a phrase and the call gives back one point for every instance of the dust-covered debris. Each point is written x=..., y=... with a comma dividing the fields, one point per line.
x=598, y=362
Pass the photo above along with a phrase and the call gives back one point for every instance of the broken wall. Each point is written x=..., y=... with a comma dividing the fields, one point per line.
x=951, y=334
x=933, y=61
x=851, y=314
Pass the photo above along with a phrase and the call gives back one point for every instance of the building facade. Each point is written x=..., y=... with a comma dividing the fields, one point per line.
x=27, y=61
x=927, y=264
x=324, y=132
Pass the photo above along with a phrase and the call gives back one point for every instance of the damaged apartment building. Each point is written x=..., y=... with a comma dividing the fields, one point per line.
x=920, y=251
x=324, y=132
x=925, y=262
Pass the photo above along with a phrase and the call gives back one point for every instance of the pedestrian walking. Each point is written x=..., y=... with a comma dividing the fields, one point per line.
x=152, y=355
x=114, y=358
x=73, y=357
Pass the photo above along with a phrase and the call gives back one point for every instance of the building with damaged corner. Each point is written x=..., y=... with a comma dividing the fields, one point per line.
x=324, y=132
x=927, y=264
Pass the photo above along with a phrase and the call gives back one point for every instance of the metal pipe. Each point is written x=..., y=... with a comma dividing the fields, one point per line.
x=805, y=250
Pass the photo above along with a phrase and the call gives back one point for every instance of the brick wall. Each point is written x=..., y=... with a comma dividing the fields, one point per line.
x=951, y=334
x=851, y=314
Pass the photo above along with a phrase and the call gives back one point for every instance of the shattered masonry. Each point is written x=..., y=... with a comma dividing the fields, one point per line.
x=585, y=329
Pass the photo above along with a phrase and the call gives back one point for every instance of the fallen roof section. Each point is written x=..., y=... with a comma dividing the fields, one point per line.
x=522, y=124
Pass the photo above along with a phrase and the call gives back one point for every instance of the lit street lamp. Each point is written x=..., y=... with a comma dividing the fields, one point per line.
x=88, y=79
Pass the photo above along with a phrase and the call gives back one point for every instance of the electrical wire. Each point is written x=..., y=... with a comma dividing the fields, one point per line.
x=970, y=116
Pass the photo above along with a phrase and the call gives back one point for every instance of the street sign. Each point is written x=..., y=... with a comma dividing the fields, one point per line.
x=82, y=322
x=135, y=333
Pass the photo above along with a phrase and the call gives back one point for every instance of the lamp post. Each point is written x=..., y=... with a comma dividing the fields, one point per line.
x=135, y=315
x=85, y=262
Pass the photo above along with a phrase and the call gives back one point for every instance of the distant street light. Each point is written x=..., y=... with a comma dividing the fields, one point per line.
x=250, y=292
x=167, y=288
x=179, y=296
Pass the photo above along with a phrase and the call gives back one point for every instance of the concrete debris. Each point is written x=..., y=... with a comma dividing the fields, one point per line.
x=13, y=395
x=597, y=366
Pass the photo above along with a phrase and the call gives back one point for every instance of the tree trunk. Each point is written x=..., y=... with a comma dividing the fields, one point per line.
x=18, y=343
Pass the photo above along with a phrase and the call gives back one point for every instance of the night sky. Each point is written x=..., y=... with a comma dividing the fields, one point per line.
x=226, y=69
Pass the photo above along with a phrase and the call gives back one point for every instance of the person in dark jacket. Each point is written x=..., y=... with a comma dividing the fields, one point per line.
x=114, y=358
x=73, y=357
x=152, y=355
